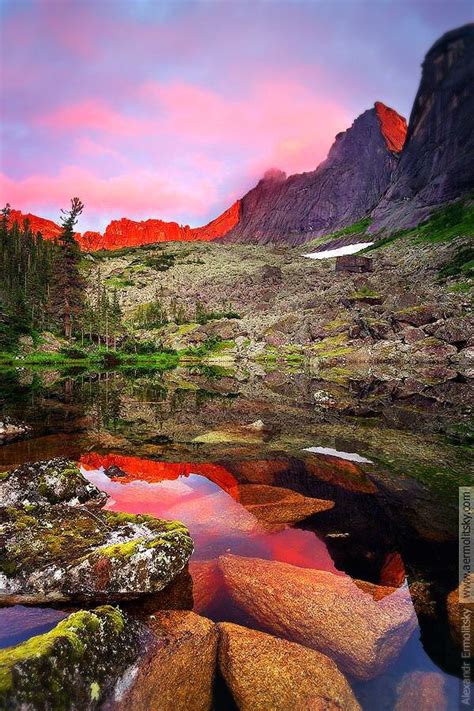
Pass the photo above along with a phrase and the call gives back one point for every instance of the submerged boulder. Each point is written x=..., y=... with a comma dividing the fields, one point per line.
x=276, y=505
x=326, y=612
x=50, y=481
x=421, y=690
x=263, y=672
x=74, y=666
x=61, y=553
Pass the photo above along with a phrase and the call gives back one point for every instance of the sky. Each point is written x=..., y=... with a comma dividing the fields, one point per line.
x=174, y=109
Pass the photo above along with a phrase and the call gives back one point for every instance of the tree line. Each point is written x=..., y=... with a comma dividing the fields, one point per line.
x=42, y=287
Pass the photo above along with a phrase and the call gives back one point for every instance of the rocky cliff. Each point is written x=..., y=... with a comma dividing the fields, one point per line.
x=436, y=164
x=343, y=189
x=48, y=228
x=132, y=233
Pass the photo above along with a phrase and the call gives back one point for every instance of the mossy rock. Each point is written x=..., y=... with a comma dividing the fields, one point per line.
x=66, y=553
x=74, y=666
x=50, y=481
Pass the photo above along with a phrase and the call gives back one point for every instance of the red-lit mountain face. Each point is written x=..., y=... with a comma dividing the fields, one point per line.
x=132, y=233
x=341, y=191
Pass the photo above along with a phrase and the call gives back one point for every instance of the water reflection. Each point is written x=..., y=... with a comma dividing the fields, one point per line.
x=387, y=518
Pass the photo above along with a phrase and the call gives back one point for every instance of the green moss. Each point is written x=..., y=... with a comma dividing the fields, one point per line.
x=365, y=292
x=95, y=691
x=356, y=228
x=336, y=324
x=341, y=376
x=121, y=550
x=69, y=632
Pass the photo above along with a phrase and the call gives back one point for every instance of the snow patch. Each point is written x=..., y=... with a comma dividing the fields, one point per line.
x=339, y=251
x=350, y=456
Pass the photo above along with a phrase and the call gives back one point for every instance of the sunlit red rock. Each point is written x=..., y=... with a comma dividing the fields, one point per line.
x=207, y=583
x=176, y=671
x=393, y=571
x=133, y=233
x=340, y=472
x=263, y=673
x=48, y=228
x=323, y=611
x=392, y=125
x=274, y=504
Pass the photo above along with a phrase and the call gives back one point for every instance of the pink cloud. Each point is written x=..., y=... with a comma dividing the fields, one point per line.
x=141, y=193
x=93, y=114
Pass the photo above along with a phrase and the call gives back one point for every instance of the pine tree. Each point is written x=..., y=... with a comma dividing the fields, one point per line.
x=67, y=296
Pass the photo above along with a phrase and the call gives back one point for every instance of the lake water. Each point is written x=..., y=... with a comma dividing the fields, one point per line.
x=182, y=445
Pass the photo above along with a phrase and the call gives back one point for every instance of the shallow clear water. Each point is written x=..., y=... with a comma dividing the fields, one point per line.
x=390, y=523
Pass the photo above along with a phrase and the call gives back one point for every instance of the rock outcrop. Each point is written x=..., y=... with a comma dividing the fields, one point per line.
x=276, y=505
x=57, y=545
x=263, y=672
x=73, y=666
x=436, y=162
x=51, y=481
x=133, y=233
x=175, y=671
x=342, y=190
x=323, y=611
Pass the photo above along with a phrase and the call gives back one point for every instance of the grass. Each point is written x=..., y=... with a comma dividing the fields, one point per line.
x=98, y=358
x=354, y=229
x=364, y=292
x=447, y=223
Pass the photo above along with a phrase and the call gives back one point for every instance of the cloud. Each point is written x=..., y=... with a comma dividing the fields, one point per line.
x=140, y=193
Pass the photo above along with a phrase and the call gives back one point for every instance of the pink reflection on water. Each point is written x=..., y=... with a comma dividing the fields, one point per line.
x=218, y=523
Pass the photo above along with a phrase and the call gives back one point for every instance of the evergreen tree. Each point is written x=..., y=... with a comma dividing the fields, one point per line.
x=25, y=265
x=67, y=295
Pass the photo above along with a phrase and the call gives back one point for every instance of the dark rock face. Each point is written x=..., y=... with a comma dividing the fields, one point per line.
x=436, y=163
x=342, y=190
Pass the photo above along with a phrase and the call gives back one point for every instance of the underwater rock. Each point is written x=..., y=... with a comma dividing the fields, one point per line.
x=73, y=666
x=421, y=690
x=460, y=607
x=50, y=481
x=177, y=669
x=66, y=553
x=326, y=612
x=207, y=583
x=264, y=672
x=276, y=505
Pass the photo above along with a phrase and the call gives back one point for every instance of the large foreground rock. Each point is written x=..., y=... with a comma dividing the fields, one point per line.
x=58, y=545
x=323, y=611
x=264, y=672
x=60, y=553
x=177, y=669
x=74, y=666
